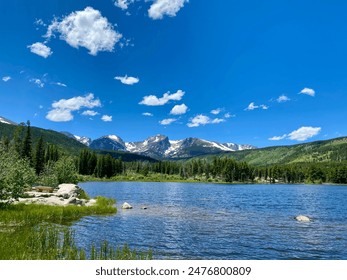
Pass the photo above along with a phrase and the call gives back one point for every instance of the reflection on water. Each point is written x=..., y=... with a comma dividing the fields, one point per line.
x=207, y=221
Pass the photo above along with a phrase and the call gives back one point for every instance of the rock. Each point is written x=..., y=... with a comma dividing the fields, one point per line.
x=67, y=191
x=302, y=218
x=126, y=205
x=144, y=207
x=91, y=202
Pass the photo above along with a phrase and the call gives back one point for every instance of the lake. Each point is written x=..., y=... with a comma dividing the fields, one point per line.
x=215, y=221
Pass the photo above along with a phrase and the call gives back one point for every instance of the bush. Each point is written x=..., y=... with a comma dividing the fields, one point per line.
x=15, y=175
x=66, y=171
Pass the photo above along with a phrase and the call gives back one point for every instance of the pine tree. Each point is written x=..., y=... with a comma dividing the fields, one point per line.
x=27, y=149
x=39, y=156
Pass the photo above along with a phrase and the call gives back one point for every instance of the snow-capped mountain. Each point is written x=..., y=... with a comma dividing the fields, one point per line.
x=84, y=140
x=109, y=142
x=160, y=146
x=7, y=121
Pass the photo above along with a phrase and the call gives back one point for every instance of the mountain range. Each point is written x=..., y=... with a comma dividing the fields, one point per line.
x=161, y=147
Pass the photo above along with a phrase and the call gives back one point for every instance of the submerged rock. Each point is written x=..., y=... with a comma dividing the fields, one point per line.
x=126, y=205
x=302, y=218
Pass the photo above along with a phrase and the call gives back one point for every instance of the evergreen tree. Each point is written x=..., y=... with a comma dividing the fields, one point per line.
x=27, y=149
x=39, y=156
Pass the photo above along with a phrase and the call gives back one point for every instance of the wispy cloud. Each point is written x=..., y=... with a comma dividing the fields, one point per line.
x=147, y=114
x=167, y=121
x=37, y=82
x=282, y=98
x=203, y=120
x=308, y=91
x=62, y=110
x=161, y=8
x=88, y=29
x=179, y=110
x=6, y=78
x=252, y=107
x=152, y=100
x=216, y=111
x=40, y=49
x=301, y=134
x=106, y=118
x=60, y=84
x=127, y=80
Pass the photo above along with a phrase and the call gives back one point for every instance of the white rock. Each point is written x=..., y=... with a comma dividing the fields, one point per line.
x=126, y=205
x=67, y=190
x=302, y=218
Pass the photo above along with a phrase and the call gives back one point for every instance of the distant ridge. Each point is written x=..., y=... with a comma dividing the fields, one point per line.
x=7, y=121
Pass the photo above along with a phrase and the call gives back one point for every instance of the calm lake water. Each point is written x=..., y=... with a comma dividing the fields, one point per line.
x=209, y=221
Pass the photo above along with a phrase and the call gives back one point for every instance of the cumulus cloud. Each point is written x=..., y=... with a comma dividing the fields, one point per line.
x=37, y=82
x=6, y=78
x=123, y=4
x=160, y=8
x=179, y=110
x=62, y=109
x=152, y=100
x=90, y=113
x=88, y=29
x=308, y=91
x=203, y=120
x=228, y=116
x=106, y=118
x=301, y=134
x=40, y=49
x=252, y=107
x=147, y=114
x=282, y=98
x=127, y=80
x=167, y=121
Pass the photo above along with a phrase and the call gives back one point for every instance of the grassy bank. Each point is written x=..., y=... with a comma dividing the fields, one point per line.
x=30, y=232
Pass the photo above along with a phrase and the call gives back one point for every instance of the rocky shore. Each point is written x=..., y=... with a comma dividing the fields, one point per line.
x=63, y=195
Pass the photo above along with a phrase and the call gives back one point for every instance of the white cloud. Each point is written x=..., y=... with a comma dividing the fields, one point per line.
x=217, y=120
x=282, y=98
x=167, y=121
x=90, y=113
x=123, y=4
x=277, y=138
x=228, y=115
x=59, y=115
x=179, y=110
x=304, y=133
x=216, y=111
x=301, y=134
x=106, y=118
x=203, y=120
x=308, y=91
x=152, y=100
x=6, y=78
x=60, y=84
x=147, y=114
x=40, y=49
x=165, y=7
x=62, y=109
x=127, y=80
x=88, y=29
x=252, y=107
x=37, y=82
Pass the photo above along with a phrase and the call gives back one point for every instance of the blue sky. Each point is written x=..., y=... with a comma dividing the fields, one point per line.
x=252, y=72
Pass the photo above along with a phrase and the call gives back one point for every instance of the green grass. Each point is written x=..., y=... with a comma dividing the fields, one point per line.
x=41, y=232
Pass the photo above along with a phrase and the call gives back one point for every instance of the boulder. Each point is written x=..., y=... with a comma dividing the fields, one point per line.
x=126, y=205
x=302, y=218
x=67, y=191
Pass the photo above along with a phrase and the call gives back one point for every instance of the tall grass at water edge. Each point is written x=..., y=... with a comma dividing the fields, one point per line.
x=33, y=232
